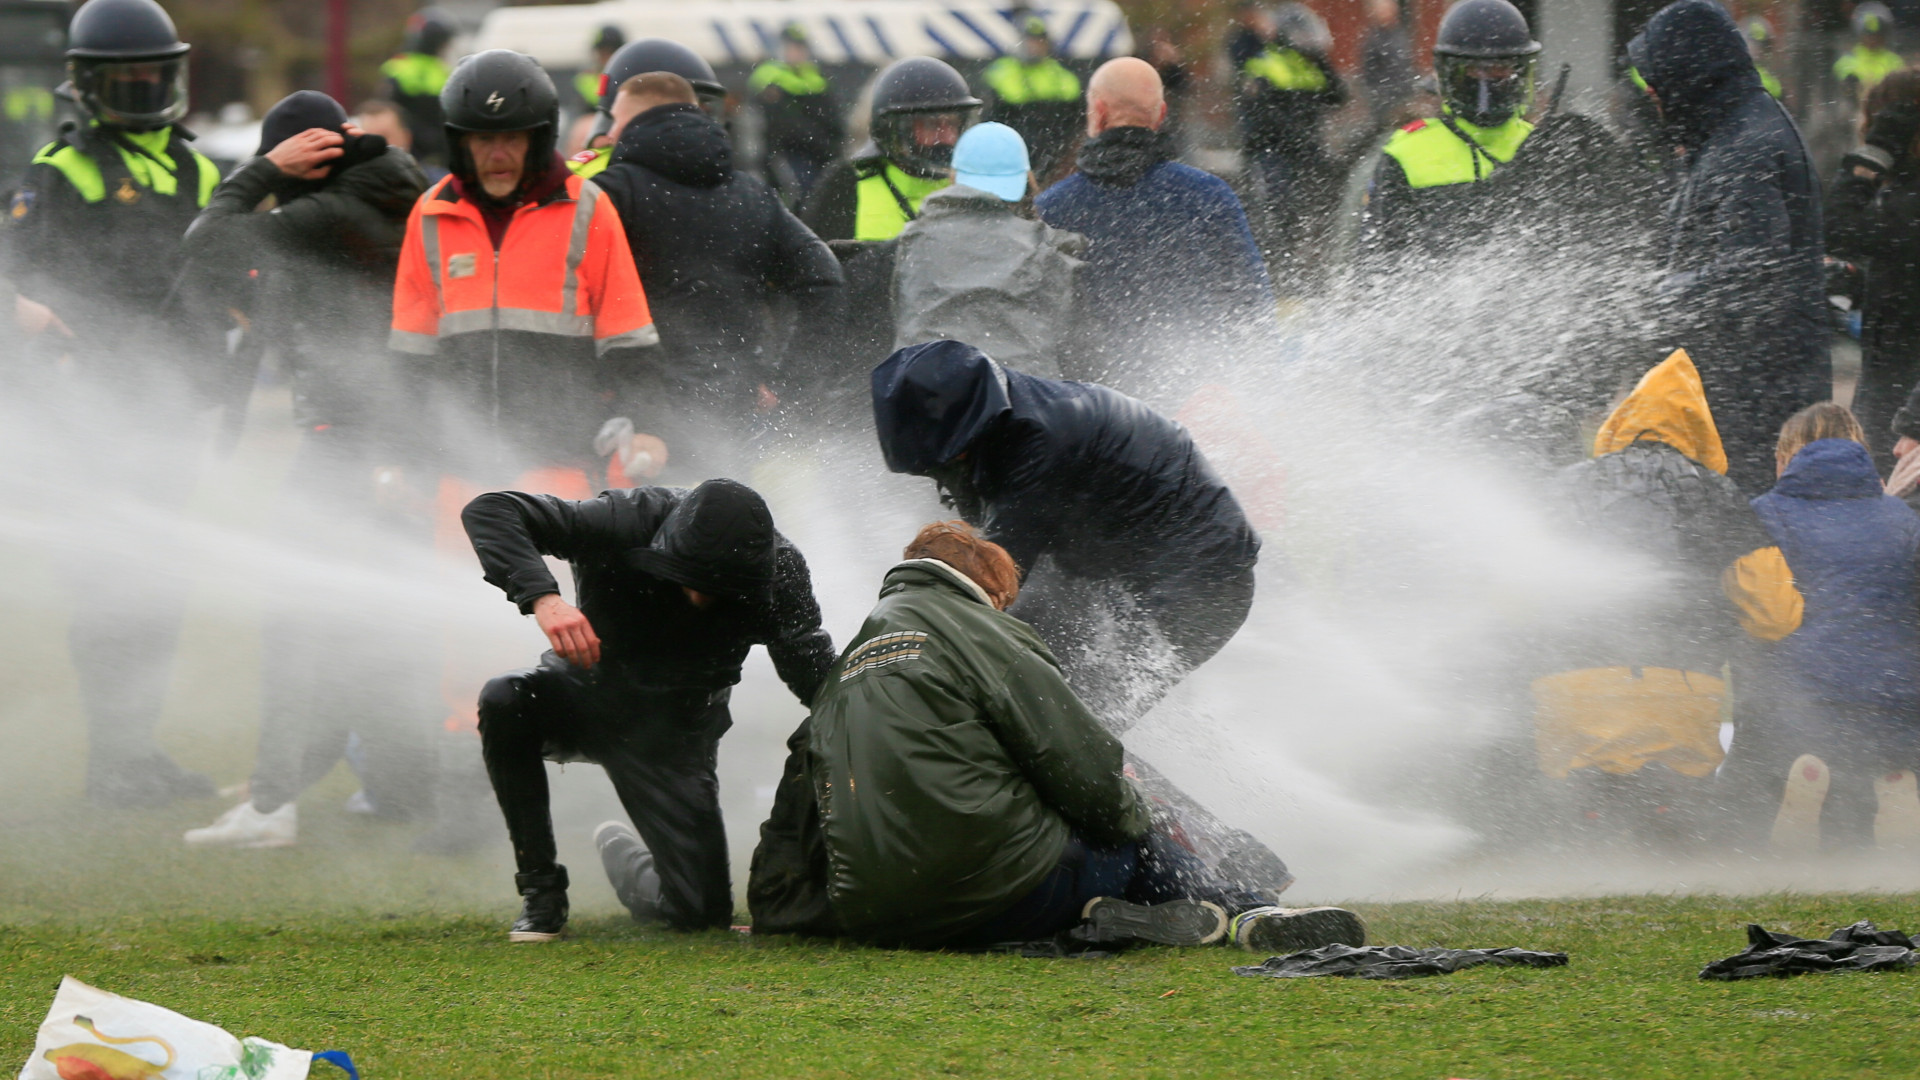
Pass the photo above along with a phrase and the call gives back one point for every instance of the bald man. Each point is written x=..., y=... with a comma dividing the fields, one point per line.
x=1173, y=280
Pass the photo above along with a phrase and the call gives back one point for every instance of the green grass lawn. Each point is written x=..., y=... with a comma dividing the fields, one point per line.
x=423, y=996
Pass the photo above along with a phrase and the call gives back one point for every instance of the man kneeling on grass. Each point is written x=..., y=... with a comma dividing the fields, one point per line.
x=675, y=586
x=969, y=798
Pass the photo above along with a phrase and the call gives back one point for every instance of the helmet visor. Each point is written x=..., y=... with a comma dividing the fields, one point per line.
x=139, y=94
x=922, y=142
x=1487, y=90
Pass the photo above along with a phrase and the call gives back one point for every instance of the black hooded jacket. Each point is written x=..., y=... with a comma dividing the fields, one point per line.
x=714, y=246
x=1742, y=291
x=1102, y=483
x=1878, y=226
x=631, y=551
x=326, y=256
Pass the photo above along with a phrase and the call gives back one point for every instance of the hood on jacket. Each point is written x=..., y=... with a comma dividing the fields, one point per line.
x=680, y=143
x=1668, y=406
x=1694, y=58
x=719, y=540
x=1119, y=157
x=1830, y=469
x=931, y=401
x=961, y=199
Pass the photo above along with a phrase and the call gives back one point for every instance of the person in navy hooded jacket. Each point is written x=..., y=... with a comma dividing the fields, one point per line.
x=1846, y=683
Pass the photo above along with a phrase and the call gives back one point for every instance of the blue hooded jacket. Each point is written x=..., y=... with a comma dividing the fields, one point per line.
x=1852, y=552
x=1104, y=484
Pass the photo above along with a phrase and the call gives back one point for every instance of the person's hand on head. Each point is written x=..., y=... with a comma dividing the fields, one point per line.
x=35, y=319
x=1906, y=472
x=305, y=156
x=568, y=630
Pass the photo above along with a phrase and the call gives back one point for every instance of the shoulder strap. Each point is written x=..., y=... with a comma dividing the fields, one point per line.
x=906, y=206
x=1473, y=145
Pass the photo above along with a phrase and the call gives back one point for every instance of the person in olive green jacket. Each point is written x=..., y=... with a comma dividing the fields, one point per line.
x=968, y=797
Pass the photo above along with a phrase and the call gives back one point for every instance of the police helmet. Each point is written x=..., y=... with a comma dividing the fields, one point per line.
x=500, y=90
x=127, y=64
x=1872, y=17
x=908, y=94
x=1484, y=57
x=657, y=54
x=1301, y=28
x=1756, y=30
x=608, y=39
x=794, y=33
x=430, y=30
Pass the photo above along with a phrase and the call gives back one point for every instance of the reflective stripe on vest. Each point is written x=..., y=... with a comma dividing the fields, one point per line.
x=416, y=74
x=1016, y=82
x=1867, y=65
x=587, y=85
x=1286, y=69
x=83, y=172
x=593, y=166
x=803, y=80
x=472, y=297
x=877, y=214
x=1433, y=156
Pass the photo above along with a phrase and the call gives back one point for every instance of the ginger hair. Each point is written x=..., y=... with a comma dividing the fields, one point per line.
x=1825, y=420
x=985, y=562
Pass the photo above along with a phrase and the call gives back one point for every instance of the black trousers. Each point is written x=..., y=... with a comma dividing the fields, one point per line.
x=659, y=747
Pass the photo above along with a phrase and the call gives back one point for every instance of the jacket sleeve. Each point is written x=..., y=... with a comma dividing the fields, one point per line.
x=1854, y=229
x=621, y=319
x=1064, y=752
x=833, y=204
x=1748, y=232
x=416, y=300
x=226, y=228
x=804, y=269
x=1224, y=231
x=1760, y=584
x=799, y=646
x=511, y=531
x=44, y=212
x=1386, y=218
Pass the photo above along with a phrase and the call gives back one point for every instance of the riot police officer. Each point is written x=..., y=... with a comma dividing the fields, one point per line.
x=1034, y=94
x=1426, y=182
x=414, y=78
x=606, y=41
x=920, y=106
x=638, y=58
x=802, y=121
x=95, y=236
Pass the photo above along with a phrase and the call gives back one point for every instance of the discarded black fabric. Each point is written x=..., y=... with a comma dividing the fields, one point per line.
x=1394, y=962
x=1860, y=947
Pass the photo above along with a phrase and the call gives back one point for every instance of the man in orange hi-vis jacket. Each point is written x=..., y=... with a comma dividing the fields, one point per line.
x=519, y=312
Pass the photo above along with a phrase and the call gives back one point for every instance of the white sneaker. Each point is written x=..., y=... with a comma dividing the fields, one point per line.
x=245, y=827
x=1897, y=825
x=1796, y=828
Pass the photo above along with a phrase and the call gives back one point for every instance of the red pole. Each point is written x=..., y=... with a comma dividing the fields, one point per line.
x=337, y=51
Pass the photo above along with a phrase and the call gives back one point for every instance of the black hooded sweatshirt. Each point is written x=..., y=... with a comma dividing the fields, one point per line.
x=1105, y=485
x=714, y=246
x=325, y=259
x=1742, y=291
x=633, y=549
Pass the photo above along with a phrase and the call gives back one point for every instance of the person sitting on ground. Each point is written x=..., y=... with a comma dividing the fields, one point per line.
x=1847, y=680
x=1172, y=269
x=1632, y=711
x=973, y=268
x=968, y=797
x=674, y=586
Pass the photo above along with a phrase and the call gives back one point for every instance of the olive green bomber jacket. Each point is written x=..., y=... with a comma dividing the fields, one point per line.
x=951, y=761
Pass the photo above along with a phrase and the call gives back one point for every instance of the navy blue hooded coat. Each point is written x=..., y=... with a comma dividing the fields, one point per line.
x=1102, y=483
x=1743, y=289
x=1852, y=552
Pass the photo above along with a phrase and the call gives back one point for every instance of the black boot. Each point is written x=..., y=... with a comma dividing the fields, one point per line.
x=543, y=910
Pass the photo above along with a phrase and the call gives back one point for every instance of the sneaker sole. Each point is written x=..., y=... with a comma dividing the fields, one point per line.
x=1897, y=824
x=1304, y=929
x=1796, y=828
x=532, y=937
x=601, y=830
x=242, y=845
x=1176, y=922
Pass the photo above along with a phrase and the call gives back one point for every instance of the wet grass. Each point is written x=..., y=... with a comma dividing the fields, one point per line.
x=444, y=996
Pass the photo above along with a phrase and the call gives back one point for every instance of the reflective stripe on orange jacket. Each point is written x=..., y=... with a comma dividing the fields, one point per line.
x=563, y=268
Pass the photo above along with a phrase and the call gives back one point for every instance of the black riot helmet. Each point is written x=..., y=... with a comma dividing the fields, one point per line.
x=657, y=54
x=430, y=30
x=500, y=90
x=1484, y=58
x=127, y=64
x=920, y=106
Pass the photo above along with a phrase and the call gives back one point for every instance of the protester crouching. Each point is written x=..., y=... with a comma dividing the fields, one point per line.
x=324, y=260
x=1843, y=688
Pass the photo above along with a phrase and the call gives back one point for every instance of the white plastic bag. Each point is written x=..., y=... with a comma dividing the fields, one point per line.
x=93, y=1035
